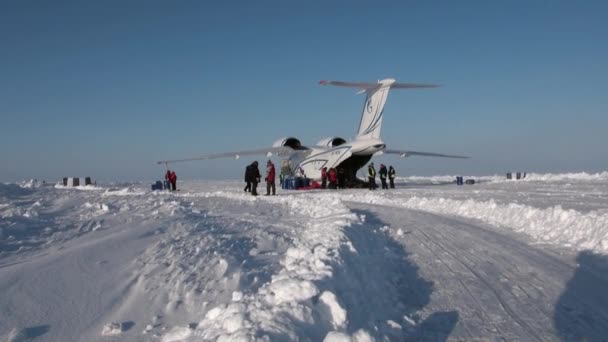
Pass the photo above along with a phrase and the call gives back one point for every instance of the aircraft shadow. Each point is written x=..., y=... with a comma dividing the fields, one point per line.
x=378, y=286
x=581, y=313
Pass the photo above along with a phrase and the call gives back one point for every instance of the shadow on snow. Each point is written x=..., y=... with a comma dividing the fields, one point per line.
x=379, y=286
x=576, y=315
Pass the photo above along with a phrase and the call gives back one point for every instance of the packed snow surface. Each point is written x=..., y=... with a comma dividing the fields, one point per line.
x=429, y=260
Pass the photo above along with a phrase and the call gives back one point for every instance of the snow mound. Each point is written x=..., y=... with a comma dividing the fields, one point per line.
x=10, y=191
x=112, y=329
x=30, y=184
x=80, y=187
x=537, y=177
x=442, y=179
x=559, y=177
x=555, y=225
x=128, y=191
x=289, y=297
x=116, y=328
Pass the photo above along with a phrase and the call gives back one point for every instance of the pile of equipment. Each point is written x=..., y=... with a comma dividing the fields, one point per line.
x=460, y=181
x=158, y=185
x=295, y=183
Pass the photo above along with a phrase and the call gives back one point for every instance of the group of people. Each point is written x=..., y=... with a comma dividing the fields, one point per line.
x=336, y=178
x=332, y=178
x=171, y=178
x=371, y=175
x=252, y=178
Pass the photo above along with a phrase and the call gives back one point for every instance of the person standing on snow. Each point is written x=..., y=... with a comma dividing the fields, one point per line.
x=333, y=178
x=270, y=175
x=255, y=178
x=248, y=177
x=383, y=173
x=167, y=184
x=371, y=176
x=341, y=178
x=173, y=180
x=391, y=176
x=324, y=177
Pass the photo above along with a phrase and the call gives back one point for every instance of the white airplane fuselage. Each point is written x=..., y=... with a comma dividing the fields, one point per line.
x=354, y=154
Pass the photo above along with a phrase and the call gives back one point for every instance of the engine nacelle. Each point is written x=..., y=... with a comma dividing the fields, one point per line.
x=288, y=142
x=331, y=142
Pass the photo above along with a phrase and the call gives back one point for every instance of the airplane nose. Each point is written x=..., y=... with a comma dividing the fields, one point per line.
x=380, y=146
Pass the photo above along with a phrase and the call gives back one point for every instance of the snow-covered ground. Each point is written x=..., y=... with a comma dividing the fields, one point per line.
x=429, y=260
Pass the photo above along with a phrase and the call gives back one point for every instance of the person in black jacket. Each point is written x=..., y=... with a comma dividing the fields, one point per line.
x=391, y=176
x=383, y=173
x=248, y=174
x=341, y=178
x=255, y=173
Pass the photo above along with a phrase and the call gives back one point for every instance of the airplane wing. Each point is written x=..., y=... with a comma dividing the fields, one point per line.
x=278, y=151
x=404, y=154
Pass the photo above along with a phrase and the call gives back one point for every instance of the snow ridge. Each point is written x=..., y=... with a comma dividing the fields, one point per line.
x=554, y=225
x=534, y=177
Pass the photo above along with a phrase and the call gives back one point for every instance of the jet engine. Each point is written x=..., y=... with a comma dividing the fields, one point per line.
x=331, y=142
x=292, y=142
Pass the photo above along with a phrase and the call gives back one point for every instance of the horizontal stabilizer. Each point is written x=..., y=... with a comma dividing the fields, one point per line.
x=405, y=154
x=374, y=85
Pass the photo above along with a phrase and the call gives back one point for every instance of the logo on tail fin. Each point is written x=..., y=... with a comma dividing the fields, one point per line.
x=369, y=106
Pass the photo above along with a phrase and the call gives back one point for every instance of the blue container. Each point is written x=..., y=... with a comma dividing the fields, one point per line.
x=459, y=180
x=289, y=183
x=157, y=186
x=301, y=182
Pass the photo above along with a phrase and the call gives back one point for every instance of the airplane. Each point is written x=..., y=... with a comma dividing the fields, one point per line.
x=337, y=152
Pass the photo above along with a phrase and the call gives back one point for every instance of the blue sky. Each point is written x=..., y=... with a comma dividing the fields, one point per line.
x=106, y=88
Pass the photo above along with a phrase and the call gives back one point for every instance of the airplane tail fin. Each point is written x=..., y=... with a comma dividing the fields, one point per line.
x=373, y=107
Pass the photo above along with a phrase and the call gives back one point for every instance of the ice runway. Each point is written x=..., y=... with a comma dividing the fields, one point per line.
x=427, y=261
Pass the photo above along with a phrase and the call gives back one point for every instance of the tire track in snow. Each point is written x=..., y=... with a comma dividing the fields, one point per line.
x=505, y=306
x=459, y=279
x=468, y=259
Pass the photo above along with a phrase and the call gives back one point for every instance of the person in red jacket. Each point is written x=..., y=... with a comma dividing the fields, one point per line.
x=333, y=178
x=270, y=175
x=173, y=180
